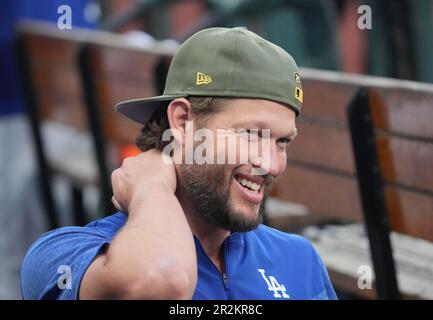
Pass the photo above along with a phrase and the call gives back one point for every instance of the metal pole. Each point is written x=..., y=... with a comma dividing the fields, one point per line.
x=92, y=107
x=372, y=194
x=32, y=112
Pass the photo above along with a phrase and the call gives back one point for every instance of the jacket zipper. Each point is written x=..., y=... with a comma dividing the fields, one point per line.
x=224, y=275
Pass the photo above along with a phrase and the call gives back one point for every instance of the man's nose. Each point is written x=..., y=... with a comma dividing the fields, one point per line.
x=267, y=162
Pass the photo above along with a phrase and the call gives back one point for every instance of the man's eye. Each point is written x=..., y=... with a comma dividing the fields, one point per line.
x=283, y=142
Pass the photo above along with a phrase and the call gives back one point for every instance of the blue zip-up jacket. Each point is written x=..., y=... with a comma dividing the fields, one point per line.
x=261, y=264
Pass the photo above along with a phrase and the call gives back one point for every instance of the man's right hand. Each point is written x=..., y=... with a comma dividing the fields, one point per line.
x=153, y=255
x=139, y=174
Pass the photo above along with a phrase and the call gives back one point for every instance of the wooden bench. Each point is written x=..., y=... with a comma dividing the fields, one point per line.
x=72, y=81
x=322, y=177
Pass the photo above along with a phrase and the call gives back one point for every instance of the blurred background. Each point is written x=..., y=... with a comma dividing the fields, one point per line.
x=64, y=68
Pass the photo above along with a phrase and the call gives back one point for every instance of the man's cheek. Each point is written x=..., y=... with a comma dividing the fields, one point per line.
x=283, y=165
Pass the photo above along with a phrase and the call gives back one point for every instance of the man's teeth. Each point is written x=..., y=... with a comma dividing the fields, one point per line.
x=251, y=185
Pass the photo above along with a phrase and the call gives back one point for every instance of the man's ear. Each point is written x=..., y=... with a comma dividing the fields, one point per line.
x=180, y=118
x=178, y=112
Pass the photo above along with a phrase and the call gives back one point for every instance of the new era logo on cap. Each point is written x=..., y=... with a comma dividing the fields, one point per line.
x=203, y=79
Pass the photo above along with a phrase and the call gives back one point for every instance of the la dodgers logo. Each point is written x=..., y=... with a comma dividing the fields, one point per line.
x=279, y=290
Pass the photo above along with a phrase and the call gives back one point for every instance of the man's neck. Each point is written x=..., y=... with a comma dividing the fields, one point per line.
x=211, y=238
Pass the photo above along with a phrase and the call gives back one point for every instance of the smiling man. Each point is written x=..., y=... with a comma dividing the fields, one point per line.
x=192, y=229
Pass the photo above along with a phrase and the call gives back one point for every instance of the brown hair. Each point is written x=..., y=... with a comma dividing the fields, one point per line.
x=150, y=136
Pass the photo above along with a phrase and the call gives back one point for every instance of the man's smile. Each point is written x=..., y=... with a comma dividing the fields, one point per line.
x=251, y=188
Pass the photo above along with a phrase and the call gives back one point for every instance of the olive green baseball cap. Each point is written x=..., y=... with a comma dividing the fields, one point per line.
x=225, y=62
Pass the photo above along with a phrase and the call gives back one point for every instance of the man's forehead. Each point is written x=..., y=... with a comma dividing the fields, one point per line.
x=290, y=129
x=252, y=106
x=250, y=102
x=259, y=113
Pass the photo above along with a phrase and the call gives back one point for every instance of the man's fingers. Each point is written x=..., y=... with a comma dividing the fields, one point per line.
x=115, y=185
x=117, y=204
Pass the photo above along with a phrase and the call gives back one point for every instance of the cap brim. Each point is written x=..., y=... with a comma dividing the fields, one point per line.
x=141, y=110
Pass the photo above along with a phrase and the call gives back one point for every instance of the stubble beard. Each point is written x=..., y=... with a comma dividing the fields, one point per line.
x=208, y=187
